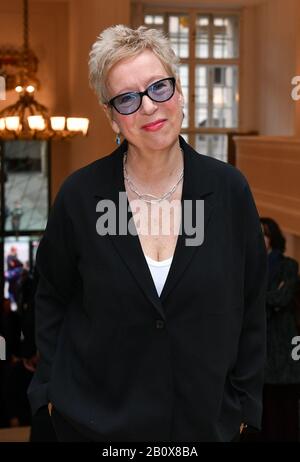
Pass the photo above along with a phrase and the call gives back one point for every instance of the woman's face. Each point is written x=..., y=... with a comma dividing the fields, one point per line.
x=136, y=74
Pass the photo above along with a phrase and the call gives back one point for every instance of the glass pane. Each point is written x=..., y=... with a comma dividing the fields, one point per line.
x=216, y=96
x=201, y=101
x=179, y=35
x=19, y=259
x=184, y=78
x=26, y=185
x=202, y=37
x=225, y=37
x=225, y=99
x=154, y=19
x=212, y=145
x=217, y=36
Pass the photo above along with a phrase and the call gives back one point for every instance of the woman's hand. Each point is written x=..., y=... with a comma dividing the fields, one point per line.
x=242, y=427
x=30, y=363
x=50, y=408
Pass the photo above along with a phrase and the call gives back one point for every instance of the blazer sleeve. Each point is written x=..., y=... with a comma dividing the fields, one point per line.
x=248, y=377
x=56, y=267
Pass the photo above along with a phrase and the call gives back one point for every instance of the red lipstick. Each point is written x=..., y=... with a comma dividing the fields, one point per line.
x=154, y=126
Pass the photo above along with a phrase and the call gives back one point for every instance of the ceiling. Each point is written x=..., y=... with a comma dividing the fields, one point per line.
x=199, y=4
x=204, y=3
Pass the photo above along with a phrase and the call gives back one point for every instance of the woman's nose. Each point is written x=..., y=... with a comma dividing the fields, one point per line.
x=148, y=106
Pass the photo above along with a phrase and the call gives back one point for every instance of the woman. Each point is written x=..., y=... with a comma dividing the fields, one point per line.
x=150, y=319
x=282, y=375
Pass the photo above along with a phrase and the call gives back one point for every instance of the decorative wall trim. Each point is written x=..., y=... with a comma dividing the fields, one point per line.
x=272, y=167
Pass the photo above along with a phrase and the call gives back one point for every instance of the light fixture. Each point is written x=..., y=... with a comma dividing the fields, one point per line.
x=27, y=118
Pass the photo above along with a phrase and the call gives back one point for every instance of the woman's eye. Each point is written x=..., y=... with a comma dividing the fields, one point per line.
x=158, y=86
x=125, y=99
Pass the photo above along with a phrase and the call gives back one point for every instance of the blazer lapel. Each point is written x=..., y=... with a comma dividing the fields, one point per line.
x=128, y=246
x=197, y=184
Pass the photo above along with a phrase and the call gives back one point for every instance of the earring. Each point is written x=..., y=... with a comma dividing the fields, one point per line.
x=118, y=139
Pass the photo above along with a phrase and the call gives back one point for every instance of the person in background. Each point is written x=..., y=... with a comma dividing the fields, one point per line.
x=282, y=373
x=17, y=376
x=12, y=259
x=22, y=362
x=12, y=275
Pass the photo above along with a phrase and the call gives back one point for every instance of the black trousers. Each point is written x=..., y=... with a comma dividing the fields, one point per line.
x=65, y=431
x=42, y=430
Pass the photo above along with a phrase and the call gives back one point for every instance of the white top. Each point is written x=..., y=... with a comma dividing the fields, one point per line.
x=159, y=271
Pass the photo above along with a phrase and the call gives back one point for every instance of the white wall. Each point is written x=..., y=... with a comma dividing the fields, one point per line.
x=87, y=20
x=277, y=31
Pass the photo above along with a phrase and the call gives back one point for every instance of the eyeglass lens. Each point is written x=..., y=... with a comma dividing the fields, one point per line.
x=159, y=92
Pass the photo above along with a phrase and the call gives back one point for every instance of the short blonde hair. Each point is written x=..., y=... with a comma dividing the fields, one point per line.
x=119, y=42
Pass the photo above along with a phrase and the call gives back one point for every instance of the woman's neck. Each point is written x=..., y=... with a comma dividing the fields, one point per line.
x=154, y=167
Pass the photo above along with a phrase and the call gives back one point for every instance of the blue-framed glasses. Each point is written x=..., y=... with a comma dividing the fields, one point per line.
x=160, y=91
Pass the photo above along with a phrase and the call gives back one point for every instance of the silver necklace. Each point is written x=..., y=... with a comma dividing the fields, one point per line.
x=149, y=198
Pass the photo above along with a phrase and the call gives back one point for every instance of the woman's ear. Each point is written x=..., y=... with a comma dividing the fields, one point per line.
x=115, y=127
x=113, y=123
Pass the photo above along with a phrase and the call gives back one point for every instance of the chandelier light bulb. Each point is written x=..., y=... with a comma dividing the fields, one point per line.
x=39, y=124
x=78, y=124
x=12, y=123
x=57, y=123
x=30, y=88
x=36, y=122
x=73, y=124
x=84, y=125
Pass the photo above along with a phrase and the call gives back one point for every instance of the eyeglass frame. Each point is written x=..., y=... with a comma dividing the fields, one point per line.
x=141, y=94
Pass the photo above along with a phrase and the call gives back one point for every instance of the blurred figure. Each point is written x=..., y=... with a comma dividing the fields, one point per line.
x=12, y=259
x=22, y=362
x=282, y=374
x=12, y=275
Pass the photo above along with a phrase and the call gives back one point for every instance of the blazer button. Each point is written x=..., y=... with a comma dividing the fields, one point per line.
x=160, y=324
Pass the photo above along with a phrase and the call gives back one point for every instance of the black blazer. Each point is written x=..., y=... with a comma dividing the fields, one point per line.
x=122, y=363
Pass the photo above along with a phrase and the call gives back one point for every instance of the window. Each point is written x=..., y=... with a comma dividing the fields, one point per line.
x=24, y=208
x=25, y=185
x=208, y=47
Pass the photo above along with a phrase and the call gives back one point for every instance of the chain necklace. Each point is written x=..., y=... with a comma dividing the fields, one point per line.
x=149, y=198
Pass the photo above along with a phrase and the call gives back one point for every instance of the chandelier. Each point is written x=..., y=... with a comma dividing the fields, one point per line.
x=27, y=118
